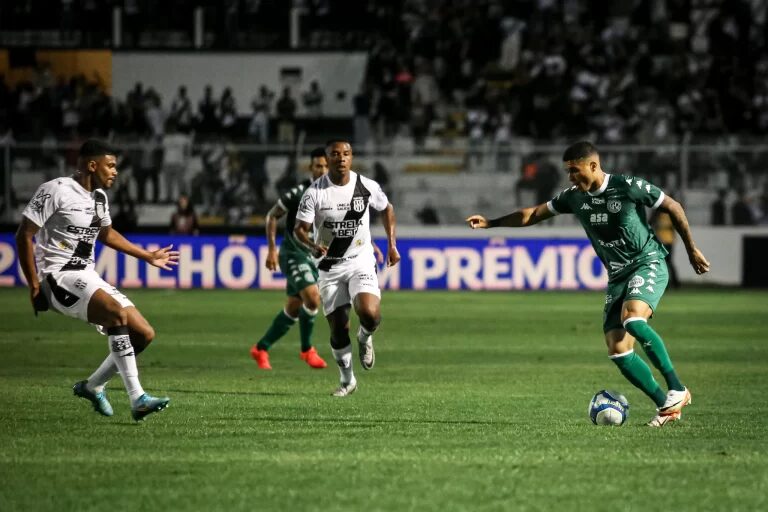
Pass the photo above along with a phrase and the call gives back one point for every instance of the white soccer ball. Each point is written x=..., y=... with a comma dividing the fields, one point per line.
x=608, y=408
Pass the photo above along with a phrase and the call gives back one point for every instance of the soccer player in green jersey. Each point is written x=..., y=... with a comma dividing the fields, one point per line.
x=300, y=272
x=611, y=208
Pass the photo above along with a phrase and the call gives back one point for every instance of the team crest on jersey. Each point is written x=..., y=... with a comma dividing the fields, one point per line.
x=614, y=206
x=358, y=204
x=636, y=282
x=100, y=211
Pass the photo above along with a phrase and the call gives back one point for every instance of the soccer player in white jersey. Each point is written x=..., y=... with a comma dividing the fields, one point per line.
x=338, y=206
x=67, y=216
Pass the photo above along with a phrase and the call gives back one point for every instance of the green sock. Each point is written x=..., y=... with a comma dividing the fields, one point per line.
x=306, y=326
x=279, y=327
x=638, y=373
x=655, y=350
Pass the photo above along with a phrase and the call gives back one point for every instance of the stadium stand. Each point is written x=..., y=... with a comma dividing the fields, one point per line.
x=476, y=87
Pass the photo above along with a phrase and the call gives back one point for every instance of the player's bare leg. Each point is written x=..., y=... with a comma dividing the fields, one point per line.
x=106, y=311
x=338, y=322
x=141, y=334
x=368, y=309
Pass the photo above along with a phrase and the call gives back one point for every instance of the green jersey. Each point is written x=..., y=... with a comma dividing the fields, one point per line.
x=615, y=221
x=290, y=203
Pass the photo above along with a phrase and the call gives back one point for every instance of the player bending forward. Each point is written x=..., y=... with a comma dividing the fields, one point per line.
x=67, y=215
x=611, y=208
x=338, y=205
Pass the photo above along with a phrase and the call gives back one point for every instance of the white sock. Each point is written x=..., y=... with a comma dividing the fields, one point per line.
x=125, y=360
x=101, y=376
x=310, y=312
x=363, y=334
x=343, y=357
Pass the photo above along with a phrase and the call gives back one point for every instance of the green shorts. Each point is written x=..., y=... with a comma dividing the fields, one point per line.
x=299, y=269
x=646, y=282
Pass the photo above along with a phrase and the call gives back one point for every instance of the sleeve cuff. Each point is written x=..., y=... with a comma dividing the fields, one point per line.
x=551, y=208
x=659, y=201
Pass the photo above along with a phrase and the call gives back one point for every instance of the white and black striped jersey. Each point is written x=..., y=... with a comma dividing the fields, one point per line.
x=341, y=217
x=69, y=218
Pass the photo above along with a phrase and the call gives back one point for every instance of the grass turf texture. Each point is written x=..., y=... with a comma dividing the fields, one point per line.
x=477, y=402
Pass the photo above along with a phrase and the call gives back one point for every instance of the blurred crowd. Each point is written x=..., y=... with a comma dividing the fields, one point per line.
x=484, y=72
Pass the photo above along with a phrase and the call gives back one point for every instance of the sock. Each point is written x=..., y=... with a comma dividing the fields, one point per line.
x=279, y=327
x=101, y=376
x=655, y=350
x=362, y=334
x=306, y=326
x=125, y=360
x=343, y=357
x=639, y=374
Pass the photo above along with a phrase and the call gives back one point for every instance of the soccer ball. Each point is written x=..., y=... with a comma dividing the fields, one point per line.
x=608, y=408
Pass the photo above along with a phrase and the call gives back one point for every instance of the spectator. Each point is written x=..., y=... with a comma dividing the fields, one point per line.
x=289, y=178
x=741, y=211
x=228, y=113
x=258, y=178
x=178, y=149
x=286, y=118
x=125, y=219
x=148, y=166
x=207, y=112
x=428, y=215
x=184, y=219
x=718, y=208
x=258, y=128
x=181, y=111
x=313, y=100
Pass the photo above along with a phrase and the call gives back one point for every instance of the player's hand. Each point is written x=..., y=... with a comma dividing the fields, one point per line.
x=698, y=261
x=393, y=256
x=39, y=302
x=271, y=262
x=164, y=258
x=477, y=222
x=318, y=251
x=379, y=255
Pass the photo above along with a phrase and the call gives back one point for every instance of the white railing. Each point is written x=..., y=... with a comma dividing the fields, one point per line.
x=454, y=176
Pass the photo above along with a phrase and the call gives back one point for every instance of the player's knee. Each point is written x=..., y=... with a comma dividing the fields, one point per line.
x=312, y=302
x=370, y=317
x=147, y=334
x=116, y=316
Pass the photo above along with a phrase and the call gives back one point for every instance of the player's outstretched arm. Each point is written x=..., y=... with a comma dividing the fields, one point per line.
x=518, y=219
x=301, y=232
x=273, y=215
x=388, y=219
x=162, y=258
x=680, y=221
x=24, y=245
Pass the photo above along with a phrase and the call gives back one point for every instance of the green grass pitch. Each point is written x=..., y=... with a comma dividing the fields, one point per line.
x=477, y=402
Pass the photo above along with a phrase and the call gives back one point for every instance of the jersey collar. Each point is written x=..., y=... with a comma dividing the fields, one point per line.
x=602, y=187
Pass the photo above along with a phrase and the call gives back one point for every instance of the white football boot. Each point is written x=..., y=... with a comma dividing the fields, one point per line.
x=365, y=344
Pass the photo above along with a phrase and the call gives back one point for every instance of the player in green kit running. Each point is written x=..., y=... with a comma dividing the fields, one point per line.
x=611, y=208
x=300, y=272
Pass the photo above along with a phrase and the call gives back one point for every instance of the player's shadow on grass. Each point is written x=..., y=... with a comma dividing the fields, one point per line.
x=376, y=421
x=245, y=393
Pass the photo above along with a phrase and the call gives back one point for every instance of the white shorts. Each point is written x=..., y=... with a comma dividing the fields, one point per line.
x=340, y=285
x=69, y=292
